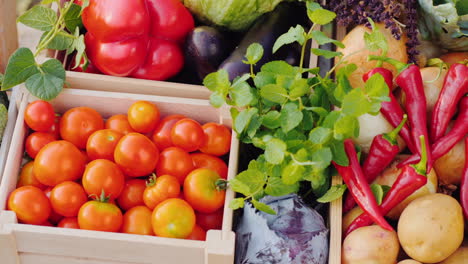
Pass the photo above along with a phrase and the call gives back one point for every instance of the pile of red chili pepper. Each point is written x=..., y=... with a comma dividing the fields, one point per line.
x=426, y=144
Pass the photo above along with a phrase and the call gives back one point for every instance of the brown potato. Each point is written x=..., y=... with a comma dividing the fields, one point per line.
x=458, y=257
x=433, y=83
x=409, y=261
x=431, y=228
x=449, y=167
x=350, y=216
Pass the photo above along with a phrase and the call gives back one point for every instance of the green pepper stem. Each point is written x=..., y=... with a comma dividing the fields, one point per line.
x=421, y=166
x=400, y=66
x=392, y=136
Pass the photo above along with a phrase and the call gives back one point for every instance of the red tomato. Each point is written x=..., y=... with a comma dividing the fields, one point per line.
x=202, y=160
x=176, y=162
x=39, y=116
x=136, y=155
x=171, y=19
x=46, y=223
x=67, y=197
x=101, y=144
x=36, y=141
x=27, y=177
x=103, y=175
x=78, y=123
x=132, y=194
x=162, y=133
x=100, y=216
x=113, y=20
x=69, y=222
x=218, y=139
x=164, y=60
x=119, y=58
x=210, y=221
x=198, y=233
x=143, y=116
x=187, y=134
x=119, y=123
x=163, y=188
x=137, y=220
x=54, y=216
x=173, y=218
x=57, y=162
x=30, y=205
x=201, y=192
x=55, y=129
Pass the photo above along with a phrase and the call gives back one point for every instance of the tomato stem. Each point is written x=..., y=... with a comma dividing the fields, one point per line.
x=221, y=184
x=151, y=180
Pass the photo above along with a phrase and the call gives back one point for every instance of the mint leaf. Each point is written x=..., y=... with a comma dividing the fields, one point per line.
x=39, y=17
x=262, y=78
x=78, y=45
x=344, y=86
x=263, y=207
x=241, y=93
x=291, y=117
x=254, y=124
x=254, y=53
x=322, y=16
x=275, y=151
x=294, y=34
x=356, y=103
x=73, y=18
x=243, y=119
x=59, y=42
x=346, y=127
x=328, y=54
x=307, y=120
x=48, y=83
x=319, y=181
x=217, y=81
x=312, y=6
x=339, y=153
x=335, y=192
x=378, y=192
x=274, y=93
x=276, y=187
x=377, y=91
x=248, y=182
x=299, y=87
x=292, y=173
x=272, y=119
x=21, y=66
x=278, y=68
x=217, y=99
x=375, y=40
x=320, y=135
x=331, y=118
x=322, y=39
x=236, y=203
x=322, y=158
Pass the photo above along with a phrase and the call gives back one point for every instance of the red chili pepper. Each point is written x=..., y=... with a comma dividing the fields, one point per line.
x=383, y=150
x=392, y=110
x=464, y=184
x=455, y=86
x=411, y=178
x=358, y=186
x=410, y=80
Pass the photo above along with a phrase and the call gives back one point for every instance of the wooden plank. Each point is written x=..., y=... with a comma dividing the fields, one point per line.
x=48, y=259
x=8, y=31
x=335, y=226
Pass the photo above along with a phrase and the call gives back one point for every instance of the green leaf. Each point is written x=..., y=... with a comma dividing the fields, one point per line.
x=1, y=80
x=320, y=135
x=241, y=93
x=355, y=103
x=263, y=207
x=462, y=7
x=378, y=192
x=84, y=5
x=236, y=203
x=375, y=40
x=290, y=117
x=307, y=120
x=47, y=2
x=73, y=18
x=254, y=125
x=292, y=173
x=274, y=93
x=294, y=34
x=331, y=118
x=322, y=16
x=39, y=17
x=217, y=81
x=319, y=181
x=217, y=99
x=322, y=39
x=339, y=153
x=248, y=182
x=263, y=78
x=312, y=6
x=79, y=46
x=59, y=42
x=279, y=68
x=377, y=91
x=272, y=119
x=335, y=192
x=48, y=83
x=275, y=151
x=20, y=67
x=343, y=85
x=346, y=127
x=299, y=87
x=328, y=54
x=254, y=53
x=242, y=120
x=322, y=158
x=276, y=187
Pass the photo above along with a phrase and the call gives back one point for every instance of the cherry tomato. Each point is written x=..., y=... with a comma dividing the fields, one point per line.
x=198, y=233
x=163, y=188
x=137, y=220
x=55, y=129
x=67, y=197
x=100, y=216
x=30, y=205
x=218, y=139
x=176, y=162
x=132, y=194
x=187, y=134
x=54, y=216
x=171, y=21
x=201, y=192
x=78, y=123
x=46, y=223
x=164, y=60
x=136, y=155
x=202, y=160
x=143, y=116
x=210, y=221
x=162, y=133
x=57, y=162
x=103, y=175
x=36, y=141
x=173, y=218
x=101, y=144
x=69, y=222
x=27, y=177
x=39, y=116
x=119, y=123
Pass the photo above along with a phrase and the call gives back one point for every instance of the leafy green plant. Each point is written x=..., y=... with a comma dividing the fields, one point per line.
x=61, y=32
x=299, y=122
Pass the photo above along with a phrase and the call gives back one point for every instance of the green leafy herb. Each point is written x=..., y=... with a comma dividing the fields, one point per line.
x=335, y=192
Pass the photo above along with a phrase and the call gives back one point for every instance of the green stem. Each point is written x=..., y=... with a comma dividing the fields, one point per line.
x=66, y=34
x=422, y=165
x=400, y=66
x=341, y=61
x=391, y=137
x=306, y=37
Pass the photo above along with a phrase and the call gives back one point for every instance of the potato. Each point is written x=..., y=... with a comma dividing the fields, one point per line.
x=389, y=176
x=449, y=167
x=350, y=216
x=431, y=228
x=369, y=245
x=354, y=43
x=433, y=83
x=453, y=57
x=458, y=257
x=409, y=261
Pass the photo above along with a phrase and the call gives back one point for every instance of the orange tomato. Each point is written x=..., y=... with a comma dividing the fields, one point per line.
x=132, y=194
x=103, y=175
x=30, y=205
x=198, y=233
x=176, y=162
x=27, y=177
x=67, y=198
x=202, y=160
x=100, y=216
x=136, y=155
x=187, y=134
x=173, y=218
x=218, y=139
x=101, y=144
x=162, y=134
x=211, y=220
x=137, y=220
x=36, y=141
x=120, y=124
x=69, y=222
x=201, y=192
x=78, y=123
x=163, y=188
x=54, y=216
x=143, y=116
x=39, y=115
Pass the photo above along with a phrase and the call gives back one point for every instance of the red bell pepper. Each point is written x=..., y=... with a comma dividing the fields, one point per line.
x=455, y=86
x=358, y=187
x=138, y=38
x=464, y=184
